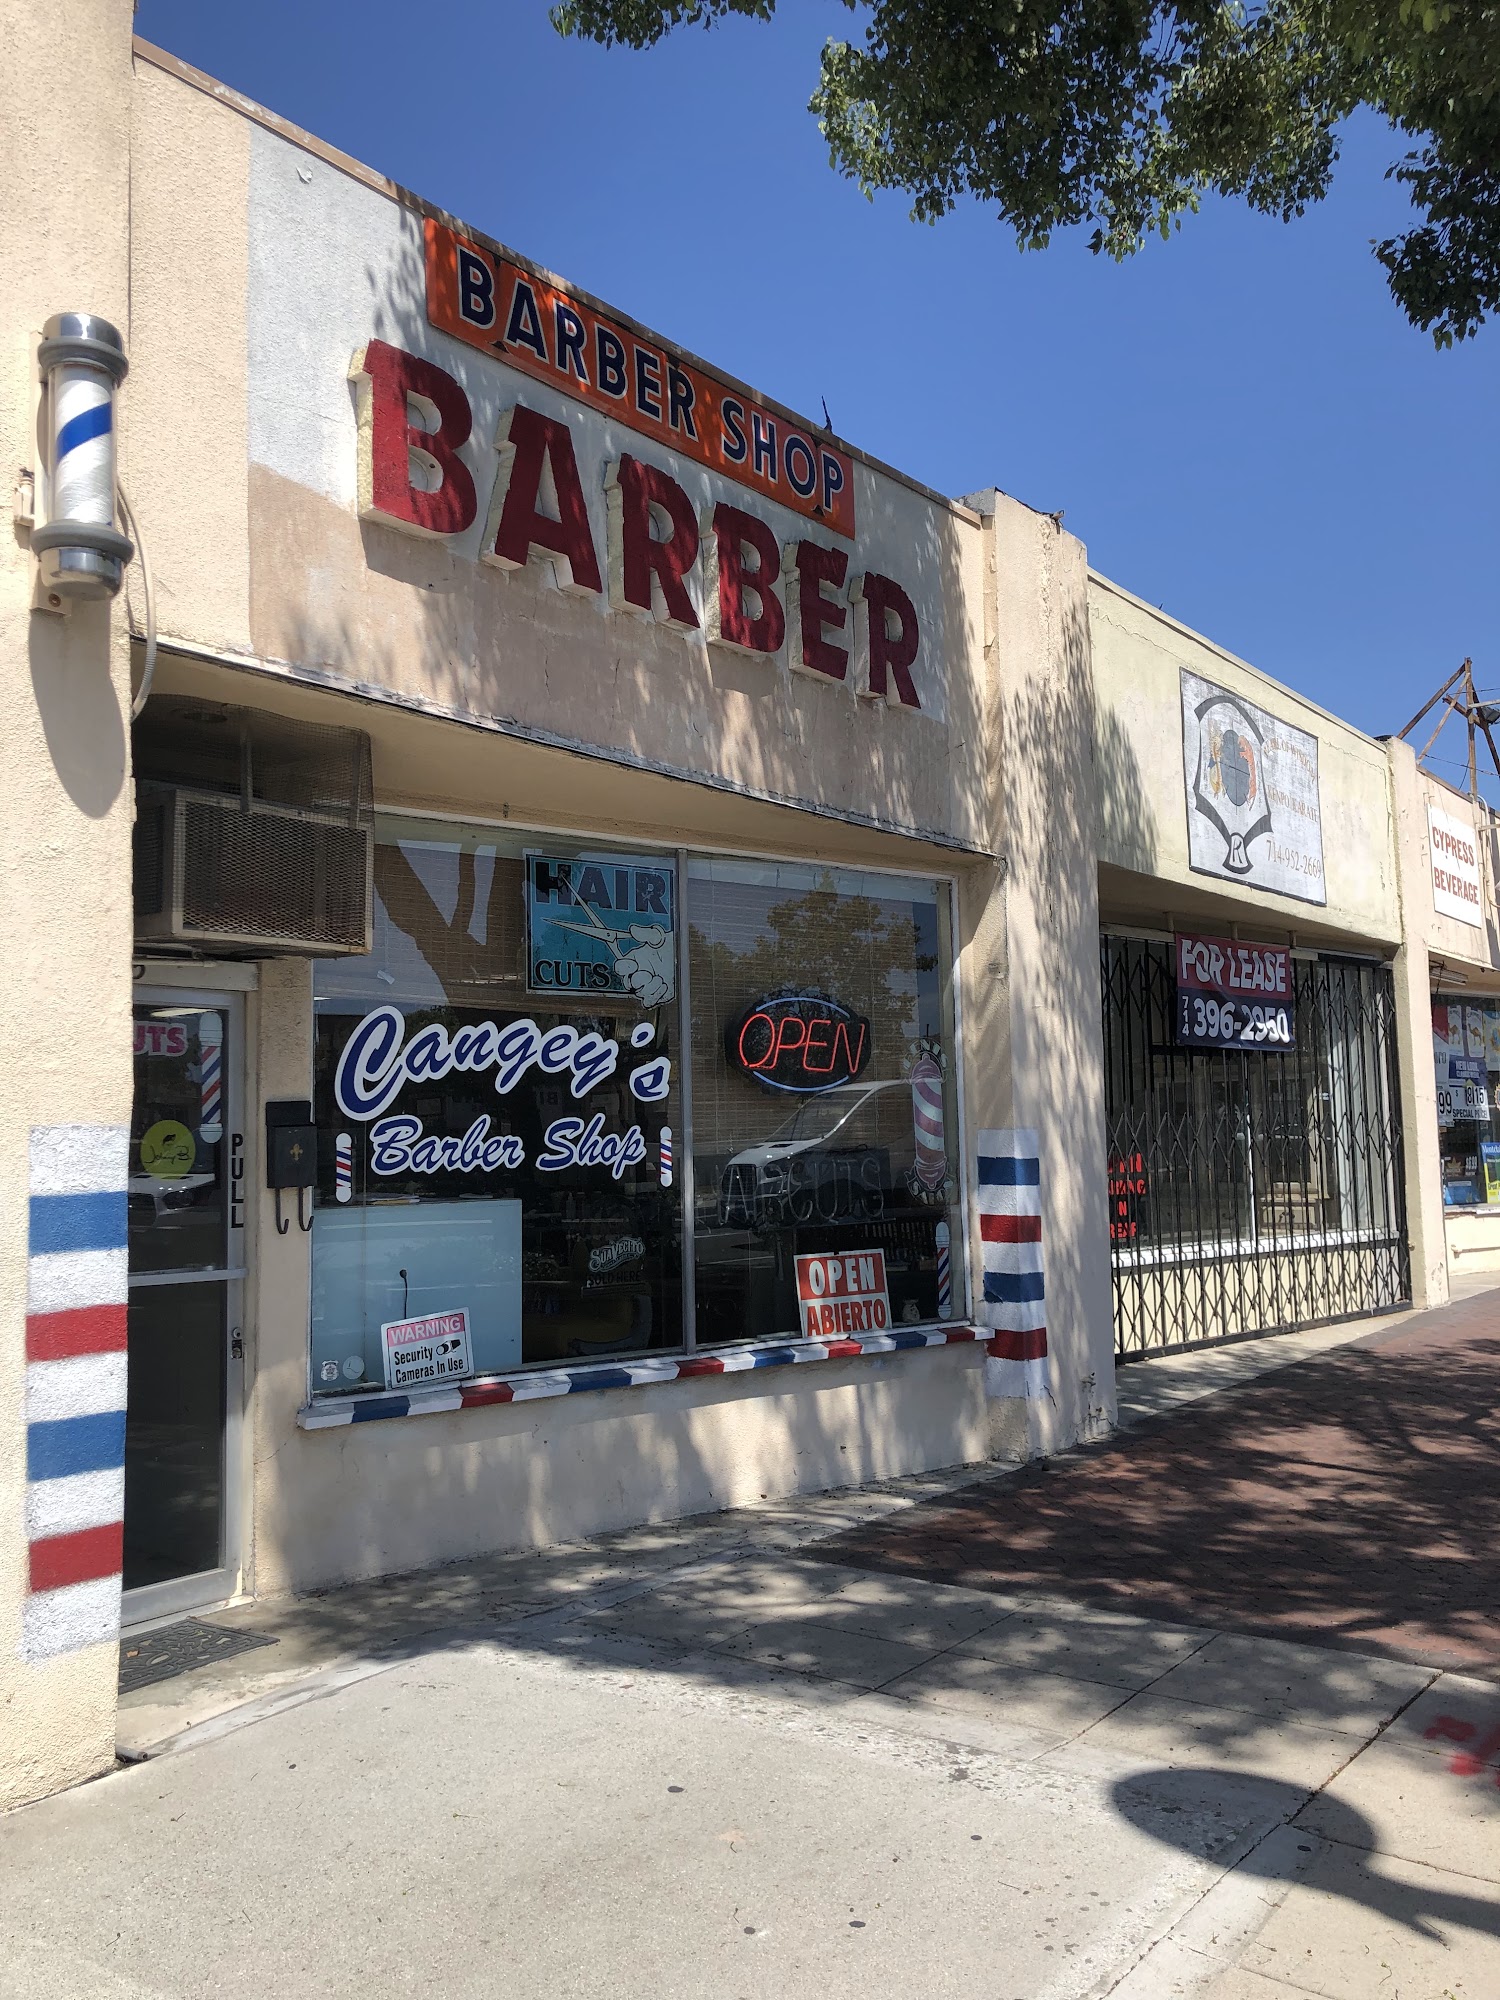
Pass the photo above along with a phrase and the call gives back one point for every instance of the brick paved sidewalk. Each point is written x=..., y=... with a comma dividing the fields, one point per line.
x=1352, y=1500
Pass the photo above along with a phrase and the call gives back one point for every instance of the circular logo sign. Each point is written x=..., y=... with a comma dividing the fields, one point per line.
x=168, y=1150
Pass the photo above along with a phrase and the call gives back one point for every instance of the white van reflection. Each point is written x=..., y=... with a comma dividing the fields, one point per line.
x=834, y=1159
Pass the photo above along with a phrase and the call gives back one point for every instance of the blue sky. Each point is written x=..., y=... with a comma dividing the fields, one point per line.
x=1239, y=423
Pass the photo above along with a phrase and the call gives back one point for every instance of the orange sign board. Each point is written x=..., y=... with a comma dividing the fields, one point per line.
x=494, y=304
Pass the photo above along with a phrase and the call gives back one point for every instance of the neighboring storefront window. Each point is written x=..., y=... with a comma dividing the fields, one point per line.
x=824, y=1100
x=491, y=1116
x=1466, y=1059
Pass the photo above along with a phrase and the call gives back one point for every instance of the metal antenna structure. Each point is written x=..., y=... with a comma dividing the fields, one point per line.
x=1459, y=696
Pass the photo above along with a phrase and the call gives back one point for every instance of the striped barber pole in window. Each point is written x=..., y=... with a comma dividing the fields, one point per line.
x=75, y=1387
x=1014, y=1304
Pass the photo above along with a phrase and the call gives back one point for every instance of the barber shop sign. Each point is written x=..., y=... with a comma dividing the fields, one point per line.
x=717, y=569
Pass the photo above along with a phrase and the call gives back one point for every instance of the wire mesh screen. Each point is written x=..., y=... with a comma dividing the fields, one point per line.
x=1250, y=1191
x=252, y=829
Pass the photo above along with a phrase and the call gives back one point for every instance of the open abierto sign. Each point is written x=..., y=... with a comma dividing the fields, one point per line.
x=844, y=1294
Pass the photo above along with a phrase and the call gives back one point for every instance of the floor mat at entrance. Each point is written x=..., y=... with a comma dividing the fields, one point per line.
x=178, y=1649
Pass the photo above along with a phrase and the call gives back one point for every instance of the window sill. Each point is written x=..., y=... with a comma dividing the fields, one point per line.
x=332, y=1412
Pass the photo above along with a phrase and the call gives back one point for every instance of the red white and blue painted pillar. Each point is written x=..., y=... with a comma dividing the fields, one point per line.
x=1012, y=1299
x=75, y=1387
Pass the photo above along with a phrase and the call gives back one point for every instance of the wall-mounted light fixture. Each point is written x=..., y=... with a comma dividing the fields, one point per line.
x=82, y=552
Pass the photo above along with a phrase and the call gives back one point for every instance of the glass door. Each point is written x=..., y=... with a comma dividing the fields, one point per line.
x=187, y=1212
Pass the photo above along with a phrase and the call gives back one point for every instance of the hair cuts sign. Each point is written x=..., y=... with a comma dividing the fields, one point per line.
x=1454, y=850
x=1253, y=807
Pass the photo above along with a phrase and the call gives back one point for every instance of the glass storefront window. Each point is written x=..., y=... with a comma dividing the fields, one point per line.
x=1466, y=1061
x=824, y=1099
x=486, y=1147
x=501, y=1115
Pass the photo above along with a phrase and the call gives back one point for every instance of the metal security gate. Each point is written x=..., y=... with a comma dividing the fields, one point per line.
x=1251, y=1192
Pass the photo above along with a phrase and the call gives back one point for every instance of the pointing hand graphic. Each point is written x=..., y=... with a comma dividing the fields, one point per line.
x=647, y=971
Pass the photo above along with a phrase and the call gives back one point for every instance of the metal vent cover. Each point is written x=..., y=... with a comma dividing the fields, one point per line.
x=254, y=833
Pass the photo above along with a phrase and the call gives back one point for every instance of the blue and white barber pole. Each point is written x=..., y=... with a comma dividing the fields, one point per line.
x=81, y=551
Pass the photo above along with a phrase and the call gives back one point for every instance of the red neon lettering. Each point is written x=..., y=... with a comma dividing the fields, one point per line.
x=852, y=1056
x=388, y=382
x=769, y=1055
x=783, y=1045
x=813, y=1047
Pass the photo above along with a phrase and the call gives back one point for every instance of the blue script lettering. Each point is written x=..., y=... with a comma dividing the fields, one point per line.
x=571, y=1143
x=398, y=1146
x=376, y=1063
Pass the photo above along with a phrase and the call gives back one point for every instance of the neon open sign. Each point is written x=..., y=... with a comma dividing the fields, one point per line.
x=799, y=1042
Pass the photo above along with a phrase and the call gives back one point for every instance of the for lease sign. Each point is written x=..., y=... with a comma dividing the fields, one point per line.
x=842, y=1295
x=1455, y=867
x=430, y=1350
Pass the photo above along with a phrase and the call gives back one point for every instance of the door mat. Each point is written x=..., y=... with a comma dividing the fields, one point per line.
x=178, y=1649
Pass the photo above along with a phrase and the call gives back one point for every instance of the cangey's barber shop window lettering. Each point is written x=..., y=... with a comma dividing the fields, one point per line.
x=825, y=1159
x=496, y=1098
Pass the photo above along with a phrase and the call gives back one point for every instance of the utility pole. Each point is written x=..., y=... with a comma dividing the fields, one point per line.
x=1458, y=696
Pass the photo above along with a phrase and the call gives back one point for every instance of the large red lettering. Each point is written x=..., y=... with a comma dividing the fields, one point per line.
x=537, y=452
x=890, y=653
x=809, y=611
x=635, y=553
x=727, y=582
x=388, y=383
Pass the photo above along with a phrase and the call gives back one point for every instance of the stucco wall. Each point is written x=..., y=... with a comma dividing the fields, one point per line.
x=64, y=808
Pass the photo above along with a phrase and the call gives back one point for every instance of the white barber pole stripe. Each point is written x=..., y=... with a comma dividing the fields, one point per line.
x=67, y=1279
x=1013, y=1257
x=65, y=1506
x=79, y=1159
x=532, y=1388
x=81, y=1386
x=80, y=1614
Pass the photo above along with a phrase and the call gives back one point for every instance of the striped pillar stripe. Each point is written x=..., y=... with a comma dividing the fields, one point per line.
x=1013, y=1282
x=88, y=1553
x=76, y=1333
x=55, y=1336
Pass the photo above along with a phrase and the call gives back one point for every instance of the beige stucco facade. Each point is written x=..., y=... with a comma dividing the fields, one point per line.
x=1039, y=783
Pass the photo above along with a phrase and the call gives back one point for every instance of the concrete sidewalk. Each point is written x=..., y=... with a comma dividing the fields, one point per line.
x=706, y=1759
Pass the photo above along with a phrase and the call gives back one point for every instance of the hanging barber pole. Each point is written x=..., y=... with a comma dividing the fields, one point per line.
x=1009, y=1196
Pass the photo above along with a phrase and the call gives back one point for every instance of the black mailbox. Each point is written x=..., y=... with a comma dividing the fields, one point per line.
x=291, y=1153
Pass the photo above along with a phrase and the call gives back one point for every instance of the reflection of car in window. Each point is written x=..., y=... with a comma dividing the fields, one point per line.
x=840, y=1154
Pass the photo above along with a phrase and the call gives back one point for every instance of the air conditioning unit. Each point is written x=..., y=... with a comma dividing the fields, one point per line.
x=254, y=835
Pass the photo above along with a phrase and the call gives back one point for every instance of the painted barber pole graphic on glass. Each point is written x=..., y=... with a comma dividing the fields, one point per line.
x=666, y=1156
x=1009, y=1198
x=343, y=1167
x=210, y=1078
x=942, y=1238
x=931, y=1165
